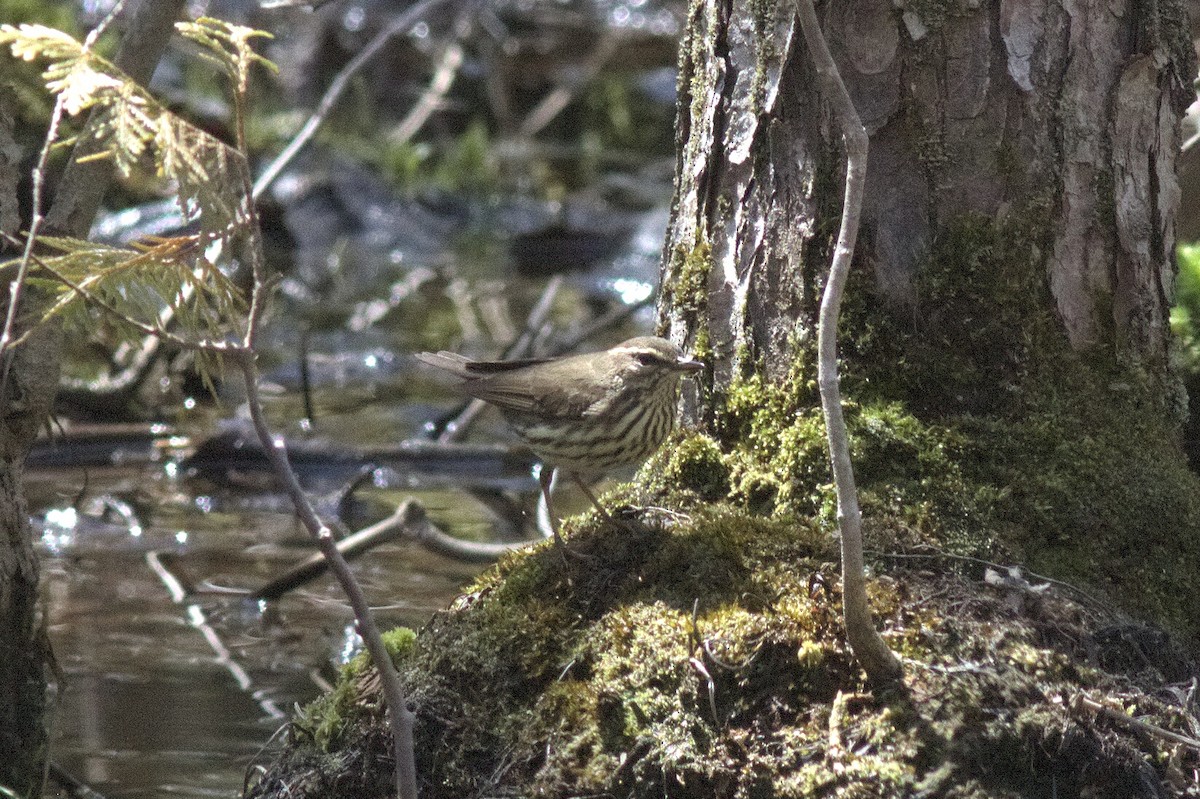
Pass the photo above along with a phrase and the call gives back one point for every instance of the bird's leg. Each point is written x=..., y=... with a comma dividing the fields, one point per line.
x=546, y=481
x=605, y=515
x=583, y=486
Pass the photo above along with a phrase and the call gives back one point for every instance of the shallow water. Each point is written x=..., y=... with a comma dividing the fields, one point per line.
x=171, y=694
x=163, y=695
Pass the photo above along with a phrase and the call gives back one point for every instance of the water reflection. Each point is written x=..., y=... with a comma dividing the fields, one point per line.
x=170, y=693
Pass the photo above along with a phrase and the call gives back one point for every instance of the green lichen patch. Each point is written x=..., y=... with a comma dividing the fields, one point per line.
x=713, y=665
x=688, y=271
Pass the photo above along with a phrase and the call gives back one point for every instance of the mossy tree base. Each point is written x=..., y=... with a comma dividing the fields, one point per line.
x=703, y=657
x=1005, y=361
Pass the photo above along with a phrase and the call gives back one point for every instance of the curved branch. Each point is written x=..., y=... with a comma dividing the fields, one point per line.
x=402, y=718
x=877, y=660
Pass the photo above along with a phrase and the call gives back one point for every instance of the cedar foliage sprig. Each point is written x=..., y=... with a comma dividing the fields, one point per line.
x=178, y=278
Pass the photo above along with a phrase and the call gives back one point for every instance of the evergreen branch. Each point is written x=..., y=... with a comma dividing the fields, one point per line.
x=81, y=289
x=132, y=124
x=229, y=47
x=165, y=279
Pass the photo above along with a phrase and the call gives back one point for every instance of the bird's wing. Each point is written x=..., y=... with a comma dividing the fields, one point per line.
x=550, y=388
x=491, y=381
x=467, y=369
x=506, y=398
x=480, y=368
x=543, y=386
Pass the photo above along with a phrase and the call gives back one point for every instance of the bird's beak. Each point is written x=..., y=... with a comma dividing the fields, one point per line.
x=689, y=364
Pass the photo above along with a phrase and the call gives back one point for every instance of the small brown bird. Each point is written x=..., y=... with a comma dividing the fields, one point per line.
x=584, y=414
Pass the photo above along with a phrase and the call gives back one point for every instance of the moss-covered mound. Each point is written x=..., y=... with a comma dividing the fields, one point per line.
x=703, y=657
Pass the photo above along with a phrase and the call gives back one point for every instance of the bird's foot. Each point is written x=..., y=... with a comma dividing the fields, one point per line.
x=567, y=553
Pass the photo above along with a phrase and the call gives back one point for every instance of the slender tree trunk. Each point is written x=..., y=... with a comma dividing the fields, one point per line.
x=24, y=675
x=29, y=392
x=1019, y=212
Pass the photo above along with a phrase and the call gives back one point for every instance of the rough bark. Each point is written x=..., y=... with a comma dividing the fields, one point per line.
x=23, y=650
x=25, y=675
x=972, y=109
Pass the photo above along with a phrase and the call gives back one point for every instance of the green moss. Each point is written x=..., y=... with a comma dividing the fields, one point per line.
x=977, y=430
x=701, y=654
x=707, y=662
x=698, y=465
x=689, y=270
x=399, y=642
x=325, y=721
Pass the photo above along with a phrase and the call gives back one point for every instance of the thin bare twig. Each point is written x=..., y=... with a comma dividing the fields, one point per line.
x=1138, y=724
x=609, y=320
x=940, y=555
x=336, y=88
x=446, y=68
x=868, y=646
x=401, y=717
x=557, y=98
x=406, y=516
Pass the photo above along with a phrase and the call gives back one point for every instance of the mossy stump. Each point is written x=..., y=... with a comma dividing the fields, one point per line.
x=702, y=656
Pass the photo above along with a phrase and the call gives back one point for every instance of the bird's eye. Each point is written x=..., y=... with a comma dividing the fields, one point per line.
x=644, y=358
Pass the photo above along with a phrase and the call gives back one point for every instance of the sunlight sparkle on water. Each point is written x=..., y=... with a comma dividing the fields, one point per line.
x=58, y=529
x=351, y=644
x=64, y=518
x=353, y=18
x=632, y=291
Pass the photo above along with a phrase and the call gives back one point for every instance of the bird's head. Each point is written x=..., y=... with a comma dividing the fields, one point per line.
x=649, y=359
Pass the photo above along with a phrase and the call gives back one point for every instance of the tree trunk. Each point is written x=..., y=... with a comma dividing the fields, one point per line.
x=28, y=394
x=1010, y=293
x=24, y=675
